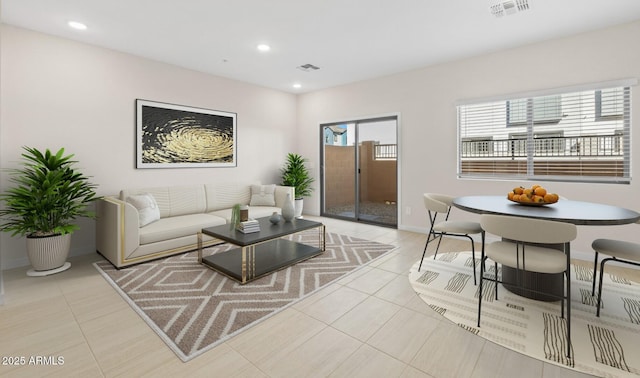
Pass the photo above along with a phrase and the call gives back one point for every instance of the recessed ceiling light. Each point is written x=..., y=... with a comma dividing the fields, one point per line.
x=77, y=25
x=297, y=85
x=263, y=47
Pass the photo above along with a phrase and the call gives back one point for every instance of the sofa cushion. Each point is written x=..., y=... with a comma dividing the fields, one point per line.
x=225, y=195
x=263, y=195
x=174, y=200
x=148, y=211
x=178, y=226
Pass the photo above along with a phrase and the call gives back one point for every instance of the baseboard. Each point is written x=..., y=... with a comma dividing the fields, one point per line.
x=22, y=262
x=419, y=230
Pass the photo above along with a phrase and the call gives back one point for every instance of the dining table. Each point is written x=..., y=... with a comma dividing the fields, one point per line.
x=576, y=212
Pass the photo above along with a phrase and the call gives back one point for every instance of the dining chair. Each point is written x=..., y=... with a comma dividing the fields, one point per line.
x=516, y=251
x=619, y=251
x=440, y=205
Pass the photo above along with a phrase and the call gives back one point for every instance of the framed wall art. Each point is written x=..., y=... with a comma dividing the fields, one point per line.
x=176, y=136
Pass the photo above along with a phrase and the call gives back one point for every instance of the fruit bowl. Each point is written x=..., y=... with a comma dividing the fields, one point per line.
x=532, y=203
x=534, y=196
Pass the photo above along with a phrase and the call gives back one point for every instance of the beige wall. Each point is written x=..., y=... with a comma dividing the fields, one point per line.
x=56, y=92
x=426, y=98
x=61, y=93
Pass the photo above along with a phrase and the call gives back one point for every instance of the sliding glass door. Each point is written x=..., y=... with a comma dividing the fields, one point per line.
x=359, y=171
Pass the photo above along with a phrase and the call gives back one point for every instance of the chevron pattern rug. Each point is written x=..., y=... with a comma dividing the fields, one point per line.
x=193, y=308
x=608, y=346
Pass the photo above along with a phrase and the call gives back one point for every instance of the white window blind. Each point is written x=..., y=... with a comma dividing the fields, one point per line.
x=577, y=135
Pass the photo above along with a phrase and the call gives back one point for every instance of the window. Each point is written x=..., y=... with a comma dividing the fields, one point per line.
x=574, y=134
x=609, y=103
x=545, y=110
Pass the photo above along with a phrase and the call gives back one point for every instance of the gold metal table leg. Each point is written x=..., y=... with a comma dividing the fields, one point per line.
x=248, y=263
x=244, y=265
x=200, y=247
x=322, y=240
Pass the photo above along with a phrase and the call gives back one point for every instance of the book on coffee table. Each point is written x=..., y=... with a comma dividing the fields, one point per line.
x=249, y=226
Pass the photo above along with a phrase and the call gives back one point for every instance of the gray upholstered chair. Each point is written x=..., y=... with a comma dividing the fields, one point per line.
x=514, y=250
x=438, y=208
x=619, y=251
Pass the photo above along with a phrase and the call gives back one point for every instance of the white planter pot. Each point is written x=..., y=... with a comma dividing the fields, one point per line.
x=48, y=255
x=298, y=205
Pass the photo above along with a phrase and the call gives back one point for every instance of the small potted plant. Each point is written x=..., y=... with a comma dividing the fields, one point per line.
x=296, y=174
x=48, y=194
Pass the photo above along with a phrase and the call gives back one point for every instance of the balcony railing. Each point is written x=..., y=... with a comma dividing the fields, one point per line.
x=583, y=146
x=385, y=151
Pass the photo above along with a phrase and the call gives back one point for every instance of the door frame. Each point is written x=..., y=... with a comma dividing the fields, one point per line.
x=356, y=120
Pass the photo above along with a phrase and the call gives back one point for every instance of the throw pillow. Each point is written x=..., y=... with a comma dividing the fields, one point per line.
x=263, y=195
x=147, y=206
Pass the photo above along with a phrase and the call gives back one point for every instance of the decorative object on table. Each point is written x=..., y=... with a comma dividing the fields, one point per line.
x=49, y=193
x=244, y=213
x=192, y=319
x=288, y=210
x=603, y=347
x=536, y=196
x=249, y=226
x=296, y=174
x=235, y=216
x=275, y=218
x=176, y=136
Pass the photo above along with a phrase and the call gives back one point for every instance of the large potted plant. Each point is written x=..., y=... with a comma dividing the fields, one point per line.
x=48, y=194
x=296, y=174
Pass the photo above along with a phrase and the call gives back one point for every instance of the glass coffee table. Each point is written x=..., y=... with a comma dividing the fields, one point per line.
x=263, y=252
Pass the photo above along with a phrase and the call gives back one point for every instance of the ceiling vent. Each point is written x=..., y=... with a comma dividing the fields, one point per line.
x=507, y=8
x=308, y=67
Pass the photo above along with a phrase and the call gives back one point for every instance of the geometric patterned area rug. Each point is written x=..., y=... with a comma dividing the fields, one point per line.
x=193, y=308
x=608, y=346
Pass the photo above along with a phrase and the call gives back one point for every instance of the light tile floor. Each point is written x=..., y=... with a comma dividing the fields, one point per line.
x=368, y=324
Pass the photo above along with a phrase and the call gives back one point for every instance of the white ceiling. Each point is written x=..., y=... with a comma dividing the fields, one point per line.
x=350, y=40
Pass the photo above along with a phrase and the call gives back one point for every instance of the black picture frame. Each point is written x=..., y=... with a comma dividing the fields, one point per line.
x=178, y=136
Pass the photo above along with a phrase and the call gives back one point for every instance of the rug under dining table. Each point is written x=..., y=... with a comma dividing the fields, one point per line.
x=608, y=346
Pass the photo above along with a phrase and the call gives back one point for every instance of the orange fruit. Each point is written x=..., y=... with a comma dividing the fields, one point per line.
x=516, y=197
x=538, y=199
x=540, y=191
x=518, y=190
x=510, y=195
x=528, y=192
x=551, y=198
x=534, y=187
x=525, y=198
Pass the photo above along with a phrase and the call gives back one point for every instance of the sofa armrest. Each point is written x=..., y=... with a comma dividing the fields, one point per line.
x=281, y=194
x=117, y=229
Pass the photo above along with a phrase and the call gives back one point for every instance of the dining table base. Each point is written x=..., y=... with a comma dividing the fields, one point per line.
x=539, y=286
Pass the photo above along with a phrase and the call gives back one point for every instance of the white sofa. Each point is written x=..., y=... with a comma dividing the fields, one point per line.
x=124, y=238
